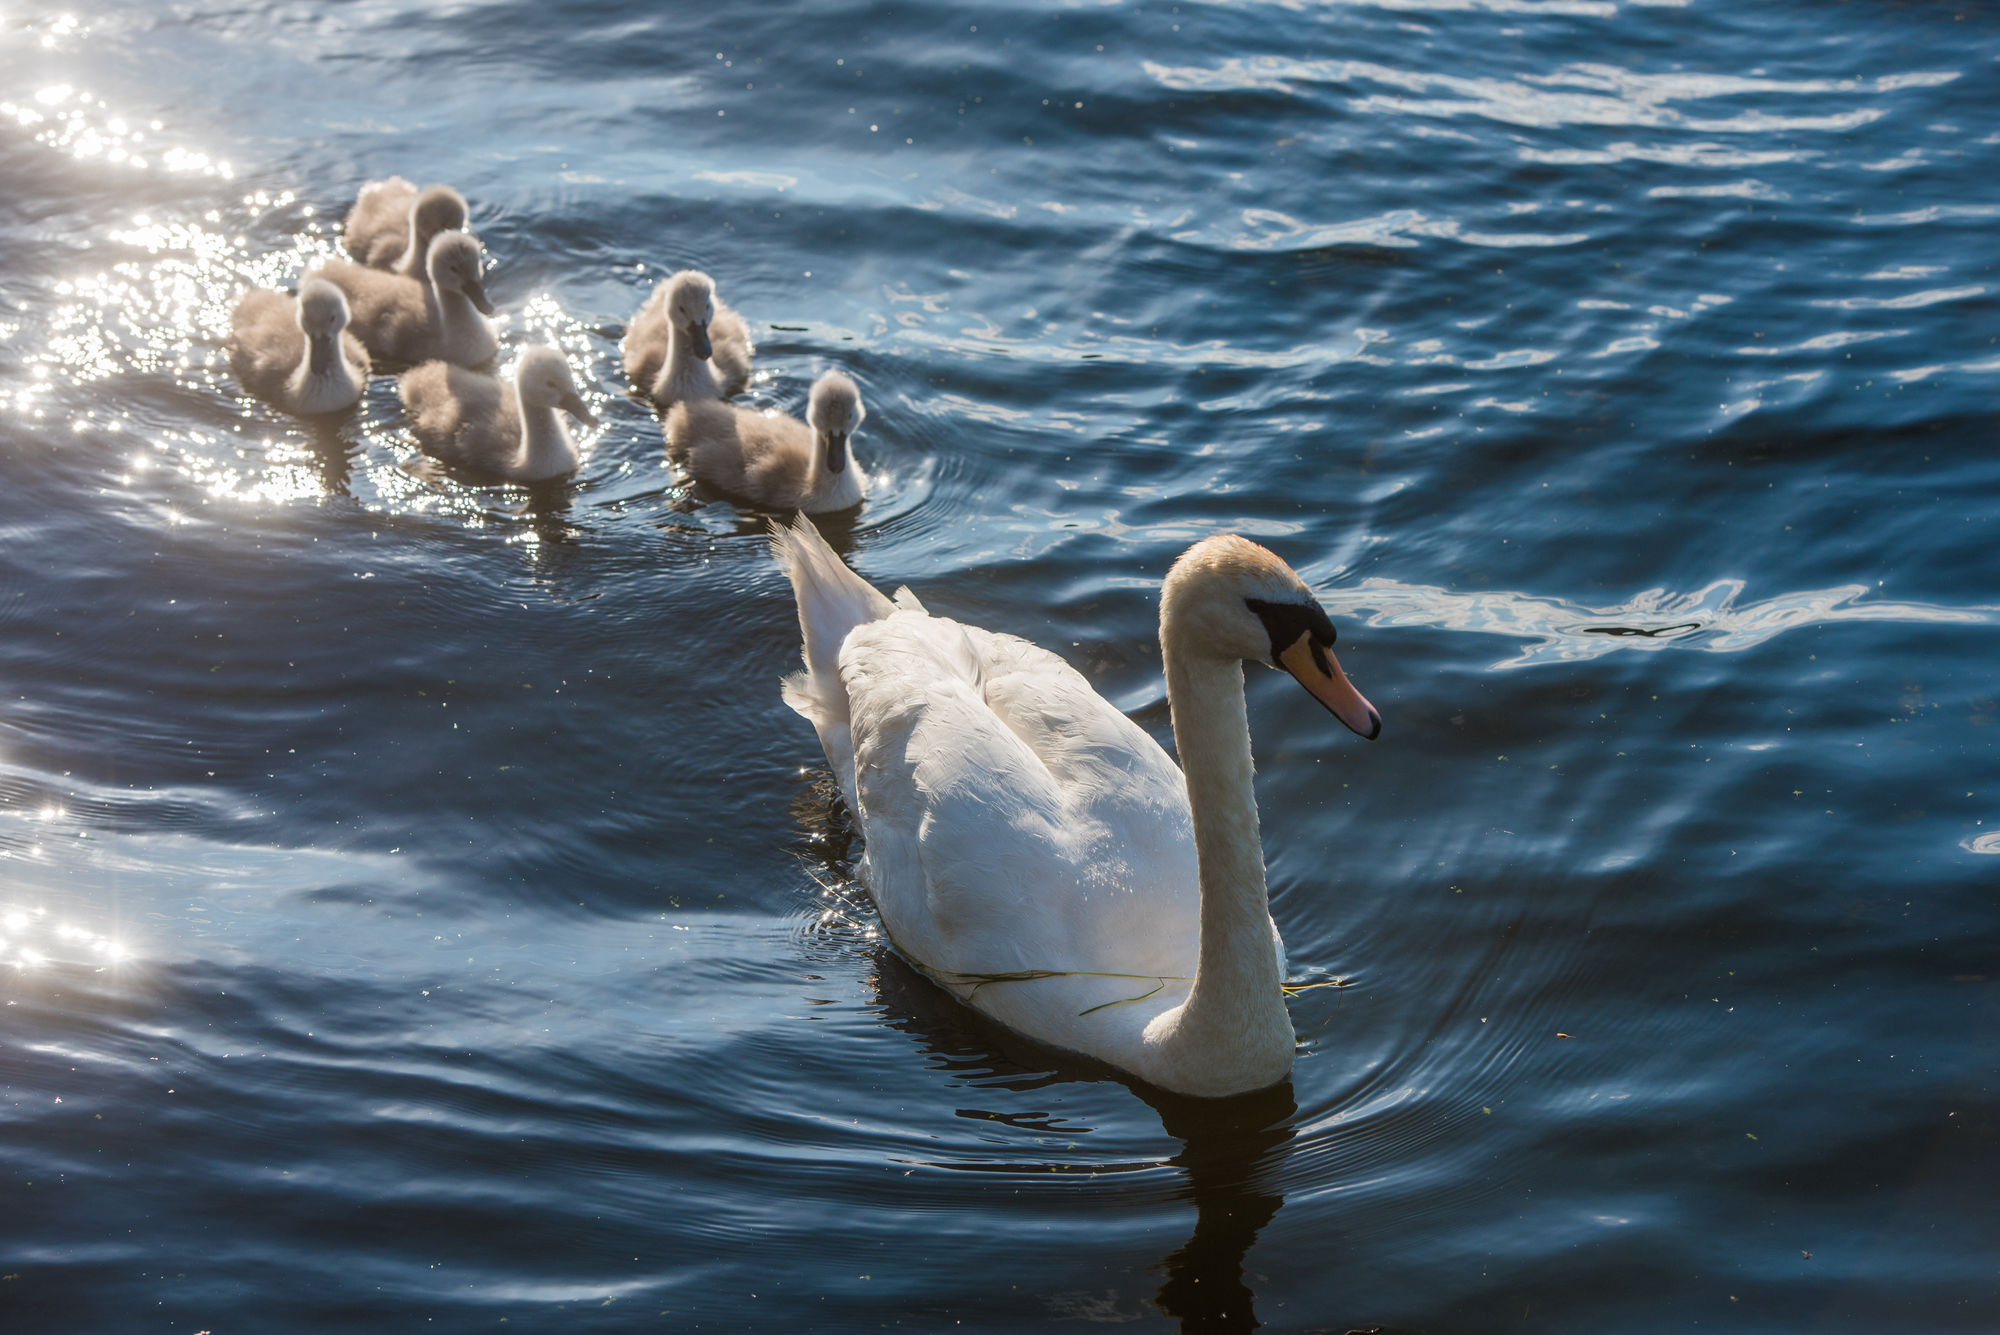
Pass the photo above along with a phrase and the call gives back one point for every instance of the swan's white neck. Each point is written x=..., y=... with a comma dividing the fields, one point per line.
x=546, y=447
x=685, y=376
x=464, y=335
x=323, y=381
x=1233, y=1032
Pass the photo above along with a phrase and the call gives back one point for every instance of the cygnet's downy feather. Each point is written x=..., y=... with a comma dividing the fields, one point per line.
x=392, y=223
x=296, y=353
x=508, y=429
x=403, y=320
x=772, y=460
x=686, y=344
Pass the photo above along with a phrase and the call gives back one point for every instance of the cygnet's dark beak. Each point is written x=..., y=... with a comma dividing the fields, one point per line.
x=702, y=347
x=475, y=292
x=573, y=404
x=836, y=451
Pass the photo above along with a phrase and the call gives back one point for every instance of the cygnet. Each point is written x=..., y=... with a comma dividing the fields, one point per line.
x=403, y=320
x=685, y=344
x=392, y=223
x=775, y=461
x=296, y=353
x=482, y=423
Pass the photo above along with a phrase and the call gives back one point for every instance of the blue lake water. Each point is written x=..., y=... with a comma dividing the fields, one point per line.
x=418, y=910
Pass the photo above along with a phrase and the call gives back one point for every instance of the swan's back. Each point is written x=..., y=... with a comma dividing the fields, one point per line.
x=644, y=347
x=764, y=457
x=377, y=231
x=460, y=416
x=1015, y=820
x=391, y=313
x=265, y=342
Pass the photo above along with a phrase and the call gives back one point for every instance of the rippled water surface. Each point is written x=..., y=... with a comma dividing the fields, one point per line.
x=419, y=911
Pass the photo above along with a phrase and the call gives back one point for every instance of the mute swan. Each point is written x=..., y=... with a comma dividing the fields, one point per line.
x=1032, y=850
x=772, y=460
x=685, y=344
x=392, y=223
x=512, y=431
x=403, y=320
x=296, y=353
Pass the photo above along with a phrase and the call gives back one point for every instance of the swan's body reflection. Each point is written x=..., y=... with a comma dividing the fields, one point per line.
x=1230, y=1152
x=1230, y=1148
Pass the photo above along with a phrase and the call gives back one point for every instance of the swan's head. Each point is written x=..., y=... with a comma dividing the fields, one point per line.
x=454, y=263
x=438, y=208
x=690, y=305
x=322, y=309
x=834, y=413
x=1229, y=598
x=543, y=380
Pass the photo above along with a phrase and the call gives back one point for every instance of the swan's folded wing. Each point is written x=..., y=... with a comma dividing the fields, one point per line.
x=378, y=226
x=1038, y=835
x=644, y=347
x=265, y=343
x=732, y=349
x=455, y=411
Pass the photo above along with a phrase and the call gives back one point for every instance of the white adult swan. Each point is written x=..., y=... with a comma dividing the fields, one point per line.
x=507, y=430
x=770, y=459
x=296, y=353
x=685, y=344
x=403, y=320
x=392, y=223
x=1033, y=850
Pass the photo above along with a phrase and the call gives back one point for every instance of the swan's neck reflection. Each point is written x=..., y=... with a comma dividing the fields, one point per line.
x=1229, y=1149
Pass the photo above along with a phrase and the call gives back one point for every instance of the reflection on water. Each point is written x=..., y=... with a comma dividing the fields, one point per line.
x=31, y=938
x=1230, y=1152
x=1709, y=618
x=1228, y=1163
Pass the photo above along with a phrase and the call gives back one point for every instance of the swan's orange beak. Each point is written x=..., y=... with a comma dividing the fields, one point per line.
x=1319, y=672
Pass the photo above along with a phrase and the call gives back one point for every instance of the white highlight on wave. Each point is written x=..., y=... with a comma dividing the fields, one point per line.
x=1710, y=619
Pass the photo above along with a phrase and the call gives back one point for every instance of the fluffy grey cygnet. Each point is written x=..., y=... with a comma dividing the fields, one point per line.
x=488, y=425
x=296, y=353
x=775, y=461
x=392, y=223
x=685, y=344
x=403, y=320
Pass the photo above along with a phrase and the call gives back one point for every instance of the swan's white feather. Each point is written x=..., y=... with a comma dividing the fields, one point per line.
x=1014, y=819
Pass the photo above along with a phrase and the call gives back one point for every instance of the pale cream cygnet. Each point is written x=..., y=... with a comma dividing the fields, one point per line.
x=392, y=223
x=488, y=425
x=686, y=344
x=296, y=353
x=401, y=319
x=770, y=459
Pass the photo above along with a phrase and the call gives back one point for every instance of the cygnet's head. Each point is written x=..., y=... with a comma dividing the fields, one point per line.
x=1229, y=598
x=834, y=413
x=322, y=309
x=437, y=208
x=690, y=305
x=544, y=381
x=454, y=263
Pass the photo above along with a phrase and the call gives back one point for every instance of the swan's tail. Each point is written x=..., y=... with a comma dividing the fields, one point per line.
x=832, y=600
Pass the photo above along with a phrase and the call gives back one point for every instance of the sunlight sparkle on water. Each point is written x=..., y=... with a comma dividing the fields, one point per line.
x=33, y=943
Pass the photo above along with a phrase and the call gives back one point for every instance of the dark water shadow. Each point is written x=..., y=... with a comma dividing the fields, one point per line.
x=1231, y=1149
